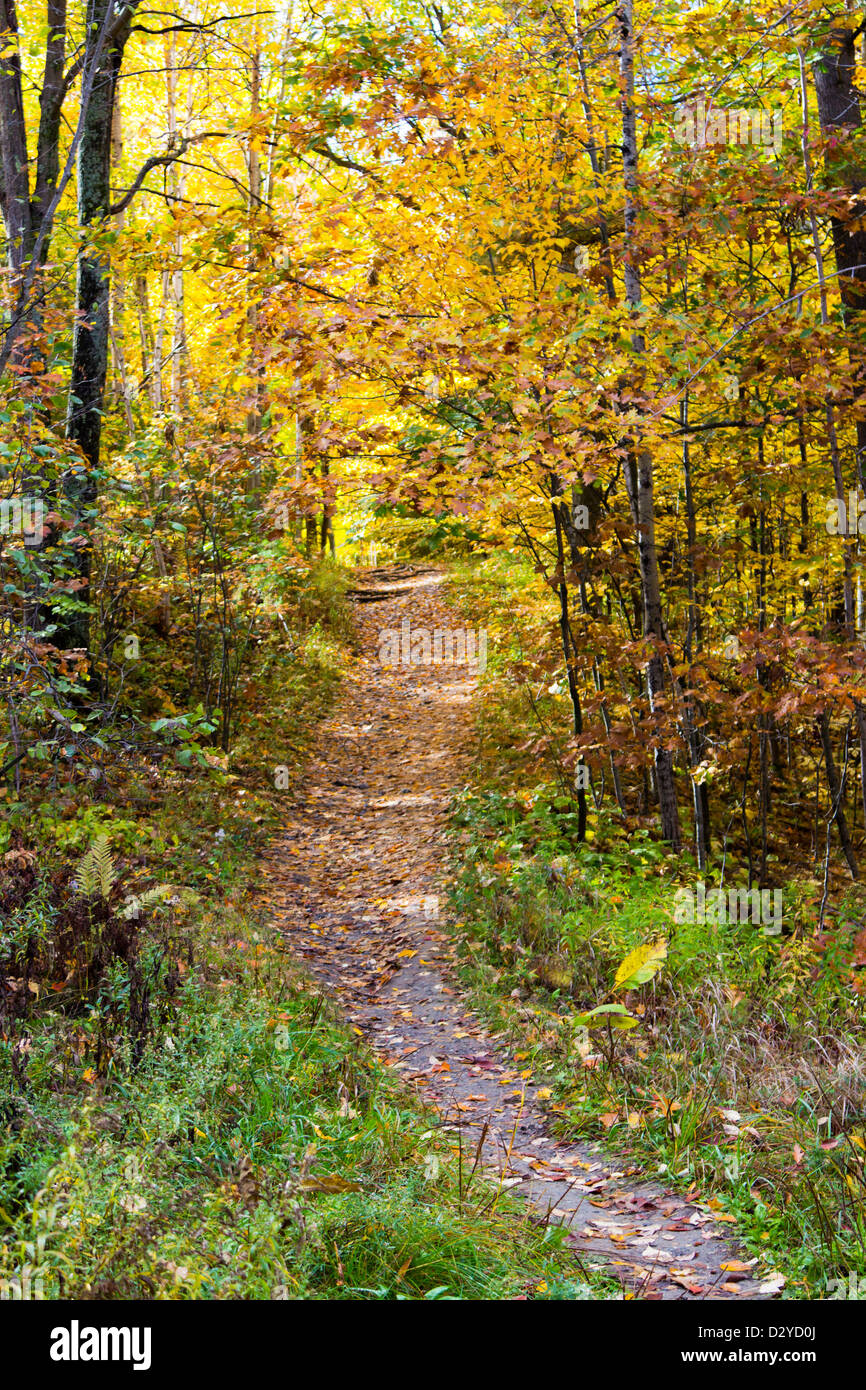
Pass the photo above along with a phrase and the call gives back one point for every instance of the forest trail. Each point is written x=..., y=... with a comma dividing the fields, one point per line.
x=355, y=879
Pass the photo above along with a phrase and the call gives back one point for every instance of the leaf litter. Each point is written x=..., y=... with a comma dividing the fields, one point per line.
x=355, y=875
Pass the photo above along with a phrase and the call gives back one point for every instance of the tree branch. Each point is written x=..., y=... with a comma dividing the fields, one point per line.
x=157, y=161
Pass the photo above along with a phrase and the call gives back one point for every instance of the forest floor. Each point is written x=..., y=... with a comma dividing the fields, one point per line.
x=356, y=879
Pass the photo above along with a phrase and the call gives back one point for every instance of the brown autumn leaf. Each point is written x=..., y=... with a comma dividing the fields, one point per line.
x=329, y=1183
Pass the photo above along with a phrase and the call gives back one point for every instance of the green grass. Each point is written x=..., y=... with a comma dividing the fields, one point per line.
x=767, y=1028
x=256, y=1151
x=181, y=1116
x=764, y=1028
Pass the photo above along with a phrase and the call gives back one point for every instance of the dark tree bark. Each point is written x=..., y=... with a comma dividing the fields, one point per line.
x=639, y=463
x=694, y=641
x=91, y=334
x=13, y=144
x=50, y=106
x=839, y=112
x=836, y=790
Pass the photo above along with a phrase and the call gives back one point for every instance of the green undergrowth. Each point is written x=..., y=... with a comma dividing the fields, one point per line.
x=180, y=1114
x=743, y=1077
x=740, y=1074
x=255, y=1151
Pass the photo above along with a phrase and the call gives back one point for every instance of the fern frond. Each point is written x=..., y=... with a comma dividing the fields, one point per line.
x=96, y=872
x=104, y=865
x=154, y=897
x=85, y=879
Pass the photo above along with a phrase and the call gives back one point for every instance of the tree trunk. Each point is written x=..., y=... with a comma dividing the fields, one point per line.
x=639, y=465
x=694, y=640
x=837, y=808
x=91, y=334
x=569, y=652
x=175, y=191
x=254, y=206
x=839, y=111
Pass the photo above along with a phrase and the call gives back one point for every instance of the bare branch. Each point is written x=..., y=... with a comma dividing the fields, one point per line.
x=343, y=163
x=157, y=161
x=190, y=25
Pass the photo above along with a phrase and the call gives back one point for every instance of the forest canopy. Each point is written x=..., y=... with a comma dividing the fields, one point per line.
x=586, y=283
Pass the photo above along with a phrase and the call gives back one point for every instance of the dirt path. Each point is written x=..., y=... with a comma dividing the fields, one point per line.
x=355, y=881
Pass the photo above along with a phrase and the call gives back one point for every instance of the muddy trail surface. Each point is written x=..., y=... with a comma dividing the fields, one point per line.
x=356, y=878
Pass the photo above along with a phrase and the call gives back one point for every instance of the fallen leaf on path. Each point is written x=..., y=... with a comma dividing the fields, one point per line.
x=774, y=1283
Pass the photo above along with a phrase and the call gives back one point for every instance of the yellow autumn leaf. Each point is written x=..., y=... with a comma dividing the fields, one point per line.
x=641, y=964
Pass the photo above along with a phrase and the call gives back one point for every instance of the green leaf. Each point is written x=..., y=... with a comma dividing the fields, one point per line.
x=615, y=1014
